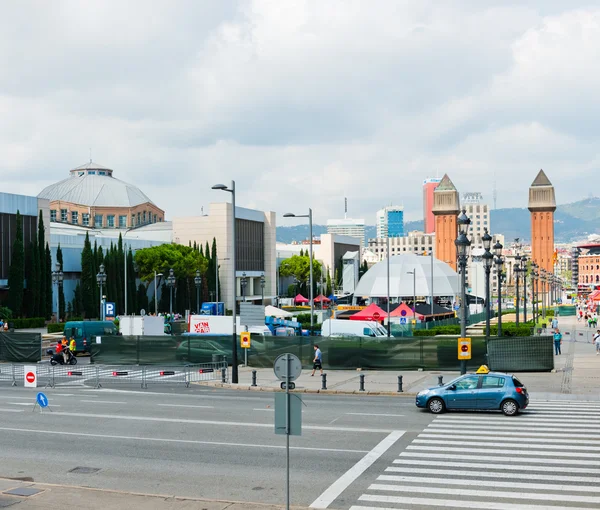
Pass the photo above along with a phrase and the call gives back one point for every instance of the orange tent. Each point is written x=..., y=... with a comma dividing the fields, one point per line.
x=370, y=313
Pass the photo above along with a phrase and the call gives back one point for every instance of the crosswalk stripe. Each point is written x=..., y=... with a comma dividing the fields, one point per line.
x=486, y=494
x=509, y=453
x=548, y=412
x=509, y=443
x=488, y=474
x=471, y=482
x=507, y=458
x=519, y=420
x=488, y=465
x=361, y=507
x=554, y=427
x=454, y=503
x=533, y=438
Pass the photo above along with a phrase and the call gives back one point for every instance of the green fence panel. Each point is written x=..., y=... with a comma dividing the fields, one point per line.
x=21, y=347
x=567, y=310
x=521, y=354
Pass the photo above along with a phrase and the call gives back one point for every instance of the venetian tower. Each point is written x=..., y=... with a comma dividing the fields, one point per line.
x=446, y=206
x=542, y=205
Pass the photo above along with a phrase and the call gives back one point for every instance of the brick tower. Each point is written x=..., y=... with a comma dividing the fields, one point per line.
x=446, y=206
x=542, y=205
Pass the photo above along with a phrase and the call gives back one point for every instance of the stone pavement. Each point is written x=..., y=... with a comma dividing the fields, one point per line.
x=38, y=496
x=576, y=374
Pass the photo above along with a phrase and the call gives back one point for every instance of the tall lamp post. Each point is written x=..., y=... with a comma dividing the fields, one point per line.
x=262, y=289
x=234, y=362
x=101, y=280
x=156, y=293
x=198, y=283
x=534, y=275
x=310, y=233
x=543, y=279
x=414, y=273
x=171, y=285
x=517, y=270
x=488, y=259
x=462, y=245
x=57, y=279
x=523, y=272
x=499, y=267
x=243, y=283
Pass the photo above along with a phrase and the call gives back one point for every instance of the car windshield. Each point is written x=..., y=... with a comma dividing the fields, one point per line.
x=454, y=381
x=518, y=384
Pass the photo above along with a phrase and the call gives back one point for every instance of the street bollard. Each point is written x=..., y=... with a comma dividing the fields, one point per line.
x=253, y=377
x=223, y=375
x=399, y=384
x=361, y=386
x=323, y=381
x=440, y=380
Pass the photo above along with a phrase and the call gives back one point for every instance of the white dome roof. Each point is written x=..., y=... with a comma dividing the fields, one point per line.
x=374, y=281
x=93, y=185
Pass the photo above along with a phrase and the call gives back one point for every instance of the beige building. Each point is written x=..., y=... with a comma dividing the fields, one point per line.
x=92, y=197
x=255, y=248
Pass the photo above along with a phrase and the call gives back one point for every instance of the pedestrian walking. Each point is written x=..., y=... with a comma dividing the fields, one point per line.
x=596, y=341
x=557, y=341
x=317, y=361
x=554, y=323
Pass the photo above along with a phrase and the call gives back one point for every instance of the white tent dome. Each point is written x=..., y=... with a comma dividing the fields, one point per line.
x=374, y=281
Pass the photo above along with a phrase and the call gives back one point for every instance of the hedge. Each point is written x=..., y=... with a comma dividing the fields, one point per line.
x=453, y=329
x=34, y=322
x=56, y=328
x=511, y=329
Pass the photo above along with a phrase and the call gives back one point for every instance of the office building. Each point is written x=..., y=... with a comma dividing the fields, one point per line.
x=348, y=227
x=415, y=242
x=429, y=186
x=390, y=222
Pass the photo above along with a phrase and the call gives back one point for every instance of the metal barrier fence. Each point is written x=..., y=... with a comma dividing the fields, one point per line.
x=98, y=376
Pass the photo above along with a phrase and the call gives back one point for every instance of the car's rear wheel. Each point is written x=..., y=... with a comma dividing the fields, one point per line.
x=435, y=405
x=510, y=407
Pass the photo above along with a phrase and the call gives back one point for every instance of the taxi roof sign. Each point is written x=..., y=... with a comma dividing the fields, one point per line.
x=483, y=369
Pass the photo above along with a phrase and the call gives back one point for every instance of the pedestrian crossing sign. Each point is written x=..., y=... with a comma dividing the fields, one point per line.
x=464, y=348
x=245, y=340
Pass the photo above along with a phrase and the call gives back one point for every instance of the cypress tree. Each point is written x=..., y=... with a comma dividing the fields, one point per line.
x=120, y=264
x=43, y=281
x=16, y=275
x=35, y=279
x=27, y=294
x=132, y=306
x=142, y=298
x=49, y=296
x=61, y=292
x=215, y=269
x=88, y=280
x=329, y=290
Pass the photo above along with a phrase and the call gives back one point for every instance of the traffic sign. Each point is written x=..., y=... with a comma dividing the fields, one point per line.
x=245, y=340
x=464, y=348
x=376, y=315
x=30, y=377
x=281, y=370
x=42, y=400
x=402, y=320
x=109, y=310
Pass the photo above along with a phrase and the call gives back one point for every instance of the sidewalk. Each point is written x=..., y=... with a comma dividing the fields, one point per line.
x=38, y=496
x=576, y=375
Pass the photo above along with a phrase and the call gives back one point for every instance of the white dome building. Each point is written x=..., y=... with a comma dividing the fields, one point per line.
x=92, y=197
x=403, y=284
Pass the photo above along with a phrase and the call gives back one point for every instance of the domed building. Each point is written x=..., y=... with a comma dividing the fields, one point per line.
x=92, y=197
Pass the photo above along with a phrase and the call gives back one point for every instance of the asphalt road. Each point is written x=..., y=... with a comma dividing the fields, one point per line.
x=200, y=442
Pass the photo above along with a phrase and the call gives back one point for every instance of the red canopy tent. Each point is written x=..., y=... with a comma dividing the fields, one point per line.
x=370, y=313
x=320, y=298
x=300, y=299
x=595, y=296
x=403, y=310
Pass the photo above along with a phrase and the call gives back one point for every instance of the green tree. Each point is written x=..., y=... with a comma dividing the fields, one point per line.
x=88, y=280
x=61, y=292
x=299, y=267
x=329, y=289
x=120, y=272
x=35, y=279
x=363, y=269
x=43, y=281
x=16, y=274
x=182, y=259
x=30, y=277
x=48, y=263
x=215, y=269
x=131, y=288
x=142, y=298
x=77, y=306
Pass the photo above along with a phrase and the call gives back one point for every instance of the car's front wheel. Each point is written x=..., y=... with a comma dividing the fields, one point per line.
x=435, y=405
x=510, y=407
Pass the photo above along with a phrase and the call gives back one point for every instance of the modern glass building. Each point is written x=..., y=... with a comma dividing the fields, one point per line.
x=390, y=222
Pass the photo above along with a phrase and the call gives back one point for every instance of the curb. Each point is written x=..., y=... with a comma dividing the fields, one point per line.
x=242, y=387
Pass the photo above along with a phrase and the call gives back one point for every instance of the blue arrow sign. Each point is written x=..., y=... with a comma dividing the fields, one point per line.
x=42, y=400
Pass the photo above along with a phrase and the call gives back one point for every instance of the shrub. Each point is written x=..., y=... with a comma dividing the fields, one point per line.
x=5, y=313
x=56, y=328
x=511, y=329
x=453, y=329
x=34, y=322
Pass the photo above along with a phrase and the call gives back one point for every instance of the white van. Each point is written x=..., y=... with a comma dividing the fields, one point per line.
x=341, y=327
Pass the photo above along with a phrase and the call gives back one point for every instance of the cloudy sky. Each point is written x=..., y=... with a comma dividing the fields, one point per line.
x=302, y=102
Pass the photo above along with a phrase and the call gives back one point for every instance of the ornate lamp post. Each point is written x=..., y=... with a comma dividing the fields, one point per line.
x=463, y=243
x=534, y=288
x=488, y=259
x=171, y=285
x=499, y=261
x=517, y=270
x=524, y=275
x=243, y=283
x=198, y=283
x=262, y=289
x=57, y=279
x=101, y=280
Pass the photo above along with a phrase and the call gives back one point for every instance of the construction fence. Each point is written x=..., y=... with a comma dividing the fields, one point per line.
x=20, y=347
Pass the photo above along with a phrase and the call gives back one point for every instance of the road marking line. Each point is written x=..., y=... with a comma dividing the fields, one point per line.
x=185, y=405
x=487, y=466
x=499, y=433
x=489, y=474
x=487, y=483
x=510, y=438
x=14, y=410
x=184, y=441
x=488, y=494
x=267, y=410
x=360, y=507
x=454, y=503
x=492, y=420
x=215, y=422
x=524, y=426
x=344, y=481
x=508, y=458
x=516, y=454
x=509, y=443
x=28, y=404
x=373, y=414
x=102, y=402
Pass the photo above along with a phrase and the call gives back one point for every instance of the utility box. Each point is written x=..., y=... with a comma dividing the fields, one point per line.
x=138, y=325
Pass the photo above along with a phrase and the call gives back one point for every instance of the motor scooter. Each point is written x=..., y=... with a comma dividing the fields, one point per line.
x=58, y=359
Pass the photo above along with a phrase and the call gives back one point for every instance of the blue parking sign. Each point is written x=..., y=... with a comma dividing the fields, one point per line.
x=402, y=320
x=109, y=310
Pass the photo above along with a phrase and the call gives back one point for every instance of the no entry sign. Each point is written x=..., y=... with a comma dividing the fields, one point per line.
x=30, y=377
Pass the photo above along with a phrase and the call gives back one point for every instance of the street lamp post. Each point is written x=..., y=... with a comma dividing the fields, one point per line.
x=517, y=270
x=534, y=275
x=234, y=362
x=125, y=275
x=310, y=233
x=101, y=280
x=262, y=289
x=57, y=279
x=499, y=263
x=414, y=273
x=387, y=259
x=463, y=243
x=171, y=285
x=243, y=283
x=543, y=279
x=524, y=275
x=488, y=259
x=155, y=293
x=198, y=283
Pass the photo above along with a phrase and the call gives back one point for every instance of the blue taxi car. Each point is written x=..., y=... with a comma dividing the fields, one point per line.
x=487, y=391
